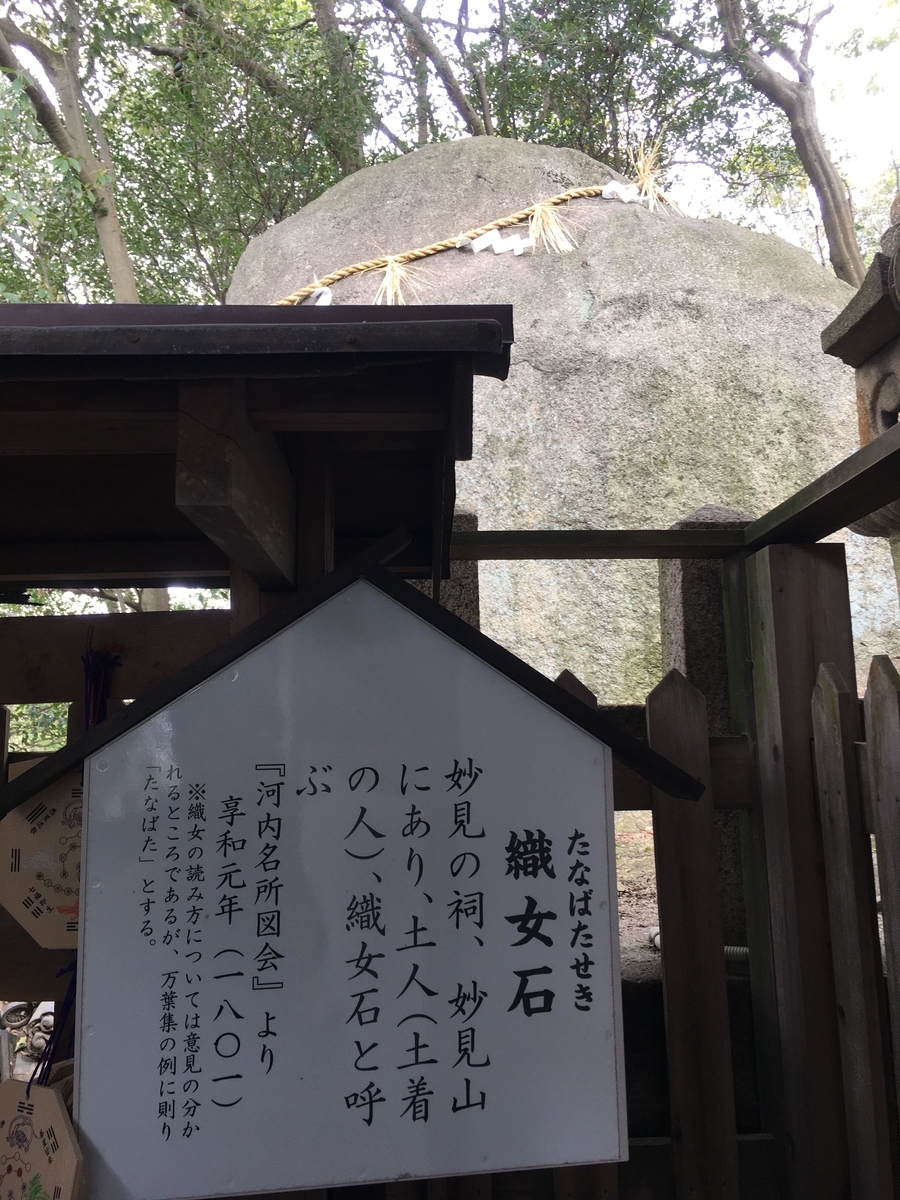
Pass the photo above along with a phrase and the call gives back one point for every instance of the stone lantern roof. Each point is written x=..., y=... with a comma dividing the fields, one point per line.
x=866, y=335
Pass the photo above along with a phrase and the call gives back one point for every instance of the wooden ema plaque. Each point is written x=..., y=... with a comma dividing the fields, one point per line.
x=39, y=1156
x=40, y=862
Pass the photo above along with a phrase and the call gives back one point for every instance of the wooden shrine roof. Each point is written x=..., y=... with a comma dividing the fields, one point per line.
x=89, y=420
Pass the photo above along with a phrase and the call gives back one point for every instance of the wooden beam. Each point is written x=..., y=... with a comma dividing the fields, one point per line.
x=412, y=396
x=698, y=1042
x=462, y=407
x=595, y=543
x=40, y=657
x=95, y=433
x=729, y=760
x=72, y=344
x=113, y=564
x=171, y=688
x=854, y=935
x=859, y=485
x=599, y=1181
x=233, y=483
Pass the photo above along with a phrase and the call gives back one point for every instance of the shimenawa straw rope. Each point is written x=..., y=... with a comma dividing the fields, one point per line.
x=542, y=227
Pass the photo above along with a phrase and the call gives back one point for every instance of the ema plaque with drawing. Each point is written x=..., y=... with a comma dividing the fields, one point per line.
x=40, y=861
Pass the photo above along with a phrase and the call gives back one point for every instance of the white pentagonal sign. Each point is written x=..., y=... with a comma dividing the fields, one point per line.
x=349, y=915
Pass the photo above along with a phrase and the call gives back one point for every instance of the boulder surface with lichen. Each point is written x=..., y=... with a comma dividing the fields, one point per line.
x=664, y=364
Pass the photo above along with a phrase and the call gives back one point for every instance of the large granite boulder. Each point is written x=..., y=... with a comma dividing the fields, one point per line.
x=665, y=364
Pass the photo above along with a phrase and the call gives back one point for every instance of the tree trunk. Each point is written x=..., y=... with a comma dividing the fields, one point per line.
x=346, y=144
x=438, y=60
x=797, y=100
x=115, y=251
x=837, y=216
x=68, y=133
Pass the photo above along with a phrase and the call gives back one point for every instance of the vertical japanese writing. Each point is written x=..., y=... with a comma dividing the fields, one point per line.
x=580, y=911
x=418, y=1013
x=467, y=915
x=168, y=1058
x=170, y=814
x=147, y=855
x=227, y=1080
x=418, y=1007
x=365, y=923
x=528, y=857
x=189, y=876
x=267, y=904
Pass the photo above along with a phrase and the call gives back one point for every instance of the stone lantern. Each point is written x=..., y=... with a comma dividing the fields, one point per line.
x=866, y=336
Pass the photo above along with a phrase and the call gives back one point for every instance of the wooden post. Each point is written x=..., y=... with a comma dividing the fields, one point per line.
x=4, y=742
x=698, y=1041
x=854, y=935
x=883, y=746
x=798, y=616
x=753, y=853
x=310, y=460
x=246, y=599
x=233, y=483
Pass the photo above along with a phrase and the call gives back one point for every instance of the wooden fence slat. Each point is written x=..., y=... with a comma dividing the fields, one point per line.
x=441, y=1189
x=798, y=611
x=600, y=1182
x=405, y=1189
x=475, y=1187
x=698, y=1043
x=753, y=851
x=883, y=742
x=854, y=934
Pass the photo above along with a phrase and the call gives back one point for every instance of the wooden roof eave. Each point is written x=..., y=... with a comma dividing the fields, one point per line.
x=173, y=341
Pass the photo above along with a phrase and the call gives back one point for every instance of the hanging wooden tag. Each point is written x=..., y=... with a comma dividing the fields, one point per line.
x=39, y=1156
x=40, y=863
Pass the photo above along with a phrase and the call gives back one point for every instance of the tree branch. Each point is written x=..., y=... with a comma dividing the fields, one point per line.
x=46, y=114
x=268, y=80
x=477, y=75
x=348, y=149
x=796, y=99
x=51, y=60
x=68, y=134
x=178, y=53
x=402, y=146
x=682, y=43
x=810, y=33
x=430, y=49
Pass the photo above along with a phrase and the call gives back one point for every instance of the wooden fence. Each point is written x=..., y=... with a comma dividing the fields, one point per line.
x=813, y=1033
x=816, y=782
x=815, y=785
